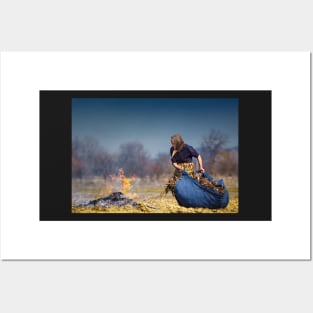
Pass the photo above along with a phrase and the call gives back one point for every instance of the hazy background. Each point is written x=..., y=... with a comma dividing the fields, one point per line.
x=151, y=122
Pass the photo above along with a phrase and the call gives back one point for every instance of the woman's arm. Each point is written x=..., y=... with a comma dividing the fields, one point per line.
x=200, y=164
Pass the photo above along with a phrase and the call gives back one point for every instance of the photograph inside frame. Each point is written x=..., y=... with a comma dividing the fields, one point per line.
x=156, y=155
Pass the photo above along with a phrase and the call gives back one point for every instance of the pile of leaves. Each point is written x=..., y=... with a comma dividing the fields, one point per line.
x=202, y=180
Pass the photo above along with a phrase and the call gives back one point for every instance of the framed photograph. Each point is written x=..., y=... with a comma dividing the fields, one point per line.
x=91, y=142
x=114, y=161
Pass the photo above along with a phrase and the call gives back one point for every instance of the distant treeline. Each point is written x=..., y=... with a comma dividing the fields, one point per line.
x=90, y=159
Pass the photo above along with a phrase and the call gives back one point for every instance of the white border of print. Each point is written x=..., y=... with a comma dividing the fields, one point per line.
x=24, y=74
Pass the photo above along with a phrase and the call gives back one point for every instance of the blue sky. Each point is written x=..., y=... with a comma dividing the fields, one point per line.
x=152, y=121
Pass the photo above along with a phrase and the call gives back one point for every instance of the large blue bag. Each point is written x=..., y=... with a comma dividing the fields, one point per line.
x=190, y=193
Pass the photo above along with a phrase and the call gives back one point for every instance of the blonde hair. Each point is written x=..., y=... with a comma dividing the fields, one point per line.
x=178, y=141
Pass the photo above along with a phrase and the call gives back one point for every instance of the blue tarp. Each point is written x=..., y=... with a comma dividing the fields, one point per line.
x=190, y=193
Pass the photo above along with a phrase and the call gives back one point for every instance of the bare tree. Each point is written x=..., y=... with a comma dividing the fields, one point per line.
x=89, y=158
x=161, y=165
x=85, y=150
x=213, y=143
x=103, y=164
x=133, y=159
x=78, y=167
x=227, y=162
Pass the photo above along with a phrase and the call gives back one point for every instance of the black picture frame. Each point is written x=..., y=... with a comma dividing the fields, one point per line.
x=255, y=174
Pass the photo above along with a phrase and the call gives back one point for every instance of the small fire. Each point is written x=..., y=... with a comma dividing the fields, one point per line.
x=126, y=181
x=117, y=182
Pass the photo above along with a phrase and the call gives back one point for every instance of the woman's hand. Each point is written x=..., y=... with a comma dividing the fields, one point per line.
x=177, y=167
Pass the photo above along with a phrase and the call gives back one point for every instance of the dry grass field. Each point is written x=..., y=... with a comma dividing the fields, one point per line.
x=147, y=193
